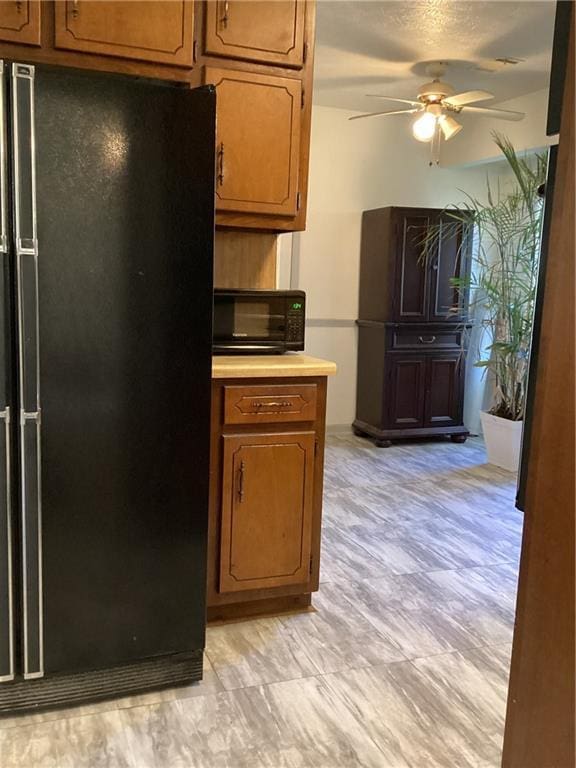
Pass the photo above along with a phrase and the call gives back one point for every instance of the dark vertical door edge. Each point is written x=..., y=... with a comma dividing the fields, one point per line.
x=536, y=330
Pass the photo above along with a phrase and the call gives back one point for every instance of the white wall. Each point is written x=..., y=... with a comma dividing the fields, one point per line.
x=356, y=166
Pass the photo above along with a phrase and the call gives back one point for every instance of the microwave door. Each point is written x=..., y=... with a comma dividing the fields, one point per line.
x=250, y=321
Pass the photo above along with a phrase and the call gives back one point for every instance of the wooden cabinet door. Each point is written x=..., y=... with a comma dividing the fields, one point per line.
x=268, y=31
x=450, y=260
x=412, y=274
x=20, y=21
x=406, y=391
x=258, y=141
x=444, y=384
x=267, y=506
x=153, y=30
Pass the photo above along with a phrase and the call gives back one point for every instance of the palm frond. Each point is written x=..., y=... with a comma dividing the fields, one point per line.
x=502, y=283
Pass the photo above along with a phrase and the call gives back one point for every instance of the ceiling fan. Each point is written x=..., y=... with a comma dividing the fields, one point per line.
x=435, y=106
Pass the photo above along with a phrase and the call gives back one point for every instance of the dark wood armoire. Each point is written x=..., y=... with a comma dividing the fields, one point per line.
x=411, y=327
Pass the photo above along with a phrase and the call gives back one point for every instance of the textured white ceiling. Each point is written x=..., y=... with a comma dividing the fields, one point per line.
x=383, y=47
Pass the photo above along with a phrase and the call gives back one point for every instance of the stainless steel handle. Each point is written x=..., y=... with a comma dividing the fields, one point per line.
x=24, y=171
x=220, y=176
x=3, y=174
x=6, y=576
x=241, y=472
x=225, y=15
x=6, y=582
x=429, y=340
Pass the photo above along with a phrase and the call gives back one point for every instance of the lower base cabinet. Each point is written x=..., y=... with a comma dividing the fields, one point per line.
x=266, y=495
x=267, y=507
x=410, y=382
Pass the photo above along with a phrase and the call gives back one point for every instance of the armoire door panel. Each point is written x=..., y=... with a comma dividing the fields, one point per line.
x=258, y=141
x=20, y=21
x=443, y=391
x=267, y=506
x=267, y=31
x=413, y=275
x=154, y=30
x=406, y=391
x=447, y=262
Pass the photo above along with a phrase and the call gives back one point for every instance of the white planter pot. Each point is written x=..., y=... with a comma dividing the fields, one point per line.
x=503, y=439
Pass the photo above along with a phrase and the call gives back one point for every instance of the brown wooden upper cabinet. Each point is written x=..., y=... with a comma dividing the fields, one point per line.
x=20, y=21
x=160, y=31
x=258, y=141
x=267, y=509
x=266, y=31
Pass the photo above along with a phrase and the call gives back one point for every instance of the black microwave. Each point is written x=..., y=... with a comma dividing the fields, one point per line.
x=258, y=322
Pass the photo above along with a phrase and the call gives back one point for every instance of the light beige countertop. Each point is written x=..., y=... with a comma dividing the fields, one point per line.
x=258, y=366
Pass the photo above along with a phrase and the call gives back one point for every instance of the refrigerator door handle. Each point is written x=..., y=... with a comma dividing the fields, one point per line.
x=6, y=575
x=3, y=173
x=24, y=171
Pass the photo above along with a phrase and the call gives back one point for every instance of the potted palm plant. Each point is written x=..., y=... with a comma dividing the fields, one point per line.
x=502, y=289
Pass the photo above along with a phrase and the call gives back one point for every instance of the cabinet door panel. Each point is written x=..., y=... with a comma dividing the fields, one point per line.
x=20, y=21
x=449, y=261
x=406, y=391
x=267, y=506
x=258, y=140
x=153, y=30
x=443, y=396
x=412, y=274
x=268, y=31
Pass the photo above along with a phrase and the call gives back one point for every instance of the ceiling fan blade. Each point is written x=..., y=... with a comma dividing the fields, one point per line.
x=389, y=112
x=393, y=98
x=500, y=114
x=468, y=97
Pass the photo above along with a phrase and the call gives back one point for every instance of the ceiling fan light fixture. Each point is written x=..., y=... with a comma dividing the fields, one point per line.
x=449, y=126
x=424, y=127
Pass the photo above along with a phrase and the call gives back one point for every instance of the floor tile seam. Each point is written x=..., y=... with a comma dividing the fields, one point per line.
x=372, y=631
x=433, y=569
x=457, y=650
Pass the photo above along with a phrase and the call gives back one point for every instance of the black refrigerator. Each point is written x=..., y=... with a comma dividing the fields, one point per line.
x=107, y=228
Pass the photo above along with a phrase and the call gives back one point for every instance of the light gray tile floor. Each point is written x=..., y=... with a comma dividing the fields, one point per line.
x=403, y=663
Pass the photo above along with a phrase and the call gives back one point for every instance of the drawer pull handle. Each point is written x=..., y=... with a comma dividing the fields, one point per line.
x=241, y=472
x=283, y=404
x=224, y=17
x=429, y=340
x=75, y=9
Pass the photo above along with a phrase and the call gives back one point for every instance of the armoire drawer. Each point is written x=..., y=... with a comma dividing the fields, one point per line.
x=266, y=404
x=426, y=338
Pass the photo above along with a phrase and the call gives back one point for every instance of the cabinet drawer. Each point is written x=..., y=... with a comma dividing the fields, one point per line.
x=268, y=404
x=423, y=338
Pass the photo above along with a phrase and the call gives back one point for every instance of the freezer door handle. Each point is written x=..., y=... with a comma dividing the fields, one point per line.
x=24, y=171
x=6, y=574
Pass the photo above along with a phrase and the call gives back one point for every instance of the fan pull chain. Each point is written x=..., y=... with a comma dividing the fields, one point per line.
x=435, y=147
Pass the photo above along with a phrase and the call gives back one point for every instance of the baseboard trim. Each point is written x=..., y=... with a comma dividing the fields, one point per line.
x=338, y=429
